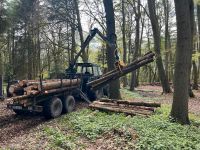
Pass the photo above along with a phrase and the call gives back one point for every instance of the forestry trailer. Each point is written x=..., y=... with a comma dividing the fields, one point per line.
x=83, y=80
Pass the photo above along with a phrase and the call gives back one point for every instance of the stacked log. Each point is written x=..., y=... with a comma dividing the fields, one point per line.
x=117, y=73
x=126, y=107
x=33, y=87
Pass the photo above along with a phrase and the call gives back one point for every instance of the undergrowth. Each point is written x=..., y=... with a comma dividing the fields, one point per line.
x=155, y=132
x=127, y=95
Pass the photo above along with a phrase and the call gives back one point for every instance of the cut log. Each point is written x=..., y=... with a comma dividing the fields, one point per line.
x=121, y=110
x=125, y=105
x=28, y=89
x=25, y=83
x=146, y=104
x=15, y=89
x=32, y=92
x=118, y=74
x=58, y=90
x=59, y=84
x=54, y=91
x=18, y=98
x=113, y=75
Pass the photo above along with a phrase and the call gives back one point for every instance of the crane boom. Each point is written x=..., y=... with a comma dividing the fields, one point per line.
x=91, y=35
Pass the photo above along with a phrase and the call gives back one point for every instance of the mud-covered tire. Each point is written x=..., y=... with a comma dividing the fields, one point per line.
x=68, y=104
x=53, y=108
x=20, y=112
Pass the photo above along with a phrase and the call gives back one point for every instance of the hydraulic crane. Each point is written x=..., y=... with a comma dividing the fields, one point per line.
x=91, y=35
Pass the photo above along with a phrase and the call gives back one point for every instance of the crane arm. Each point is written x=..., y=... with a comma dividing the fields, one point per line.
x=91, y=35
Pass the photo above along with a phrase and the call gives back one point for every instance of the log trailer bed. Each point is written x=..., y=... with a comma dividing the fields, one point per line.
x=52, y=102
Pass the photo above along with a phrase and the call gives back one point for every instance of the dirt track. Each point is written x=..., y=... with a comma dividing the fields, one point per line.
x=13, y=126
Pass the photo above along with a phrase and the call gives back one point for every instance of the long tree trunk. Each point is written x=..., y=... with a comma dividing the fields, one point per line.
x=124, y=39
x=157, y=46
x=80, y=30
x=1, y=76
x=167, y=37
x=137, y=44
x=110, y=22
x=191, y=6
x=195, y=73
x=183, y=60
x=198, y=17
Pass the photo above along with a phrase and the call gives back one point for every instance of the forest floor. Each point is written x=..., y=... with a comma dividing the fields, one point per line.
x=86, y=129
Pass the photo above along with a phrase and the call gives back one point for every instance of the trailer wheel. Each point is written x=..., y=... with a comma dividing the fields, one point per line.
x=19, y=112
x=68, y=104
x=53, y=108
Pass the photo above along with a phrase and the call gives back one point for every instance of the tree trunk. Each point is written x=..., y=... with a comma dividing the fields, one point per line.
x=191, y=6
x=183, y=60
x=167, y=37
x=198, y=16
x=124, y=40
x=195, y=73
x=1, y=86
x=137, y=44
x=157, y=46
x=110, y=22
x=80, y=30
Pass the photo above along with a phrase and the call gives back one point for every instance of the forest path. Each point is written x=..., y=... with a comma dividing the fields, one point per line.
x=14, y=128
x=155, y=92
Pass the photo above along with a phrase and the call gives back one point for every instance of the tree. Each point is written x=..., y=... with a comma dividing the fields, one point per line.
x=167, y=37
x=157, y=46
x=124, y=39
x=137, y=43
x=179, y=110
x=84, y=54
x=3, y=23
x=111, y=36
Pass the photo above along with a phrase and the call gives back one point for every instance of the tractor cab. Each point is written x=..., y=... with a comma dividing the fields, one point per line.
x=88, y=69
x=86, y=72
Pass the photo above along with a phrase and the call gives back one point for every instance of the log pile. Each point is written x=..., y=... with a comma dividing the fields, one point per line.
x=115, y=74
x=126, y=107
x=25, y=88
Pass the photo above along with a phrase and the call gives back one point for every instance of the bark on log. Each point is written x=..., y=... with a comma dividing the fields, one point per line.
x=146, y=104
x=15, y=89
x=59, y=84
x=58, y=90
x=127, y=69
x=18, y=98
x=121, y=110
x=148, y=56
x=54, y=91
x=32, y=92
x=25, y=83
x=28, y=89
x=103, y=81
x=125, y=105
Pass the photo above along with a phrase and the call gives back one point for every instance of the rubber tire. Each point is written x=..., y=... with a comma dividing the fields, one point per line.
x=19, y=112
x=91, y=95
x=53, y=108
x=68, y=104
